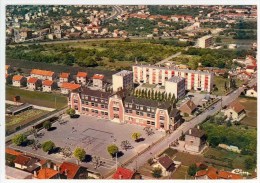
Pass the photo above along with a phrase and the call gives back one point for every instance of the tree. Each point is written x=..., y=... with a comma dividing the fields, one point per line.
x=149, y=94
x=71, y=112
x=157, y=172
x=136, y=136
x=19, y=139
x=48, y=146
x=112, y=149
x=47, y=125
x=249, y=163
x=79, y=153
x=152, y=94
x=192, y=170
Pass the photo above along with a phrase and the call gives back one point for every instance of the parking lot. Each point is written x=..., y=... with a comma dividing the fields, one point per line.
x=94, y=135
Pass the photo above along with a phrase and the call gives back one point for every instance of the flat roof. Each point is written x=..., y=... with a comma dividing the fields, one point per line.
x=175, y=79
x=13, y=173
x=123, y=73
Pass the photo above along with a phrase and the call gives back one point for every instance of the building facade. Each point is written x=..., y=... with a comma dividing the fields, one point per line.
x=42, y=74
x=122, y=80
x=205, y=41
x=175, y=85
x=194, y=80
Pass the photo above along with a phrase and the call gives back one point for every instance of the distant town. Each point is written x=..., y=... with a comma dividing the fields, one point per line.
x=131, y=92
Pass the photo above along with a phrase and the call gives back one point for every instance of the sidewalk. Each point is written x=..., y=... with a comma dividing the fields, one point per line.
x=35, y=106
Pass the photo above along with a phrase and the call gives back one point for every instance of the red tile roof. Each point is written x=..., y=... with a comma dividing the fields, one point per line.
x=82, y=74
x=70, y=86
x=64, y=75
x=98, y=76
x=47, y=83
x=251, y=67
x=46, y=173
x=236, y=106
x=228, y=175
x=213, y=173
x=22, y=159
x=32, y=80
x=70, y=169
x=12, y=152
x=17, y=78
x=42, y=72
x=123, y=173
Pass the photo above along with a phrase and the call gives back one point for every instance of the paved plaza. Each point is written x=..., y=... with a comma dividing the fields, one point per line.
x=94, y=135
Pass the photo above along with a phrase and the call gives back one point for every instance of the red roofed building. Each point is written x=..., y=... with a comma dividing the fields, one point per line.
x=48, y=85
x=19, y=80
x=82, y=78
x=98, y=80
x=12, y=152
x=42, y=74
x=69, y=87
x=33, y=83
x=47, y=173
x=64, y=77
x=123, y=173
x=235, y=111
x=251, y=69
x=71, y=171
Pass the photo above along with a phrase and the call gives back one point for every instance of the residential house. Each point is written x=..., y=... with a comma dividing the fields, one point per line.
x=72, y=171
x=123, y=173
x=235, y=111
x=81, y=78
x=46, y=173
x=26, y=163
x=14, y=173
x=48, y=85
x=66, y=88
x=64, y=77
x=244, y=76
x=252, y=92
x=195, y=140
x=19, y=80
x=166, y=164
x=33, y=83
x=188, y=107
x=213, y=173
x=42, y=74
x=251, y=69
x=98, y=80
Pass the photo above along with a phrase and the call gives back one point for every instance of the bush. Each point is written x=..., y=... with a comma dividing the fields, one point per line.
x=79, y=153
x=157, y=172
x=112, y=149
x=19, y=139
x=192, y=170
x=48, y=146
x=71, y=112
x=136, y=136
x=150, y=161
x=249, y=163
x=47, y=125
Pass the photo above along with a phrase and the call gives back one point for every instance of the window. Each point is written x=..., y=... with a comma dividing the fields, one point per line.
x=153, y=116
x=137, y=107
x=96, y=104
x=92, y=104
x=141, y=107
x=148, y=122
x=75, y=101
x=96, y=99
x=116, y=116
x=96, y=111
x=102, y=112
x=102, y=106
x=102, y=100
x=152, y=123
x=161, y=117
x=152, y=110
x=141, y=113
x=137, y=113
x=92, y=110
x=106, y=101
x=115, y=109
x=148, y=109
x=148, y=115
x=76, y=107
x=92, y=98
x=106, y=113
x=130, y=105
x=86, y=102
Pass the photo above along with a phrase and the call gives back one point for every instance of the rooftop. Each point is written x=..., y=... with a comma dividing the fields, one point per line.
x=176, y=79
x=46, y=173
x=123, y=173
x=123, y=73
x=82, y=74
x=14, y=173
x=42, y=72
x=70, y=86
x=17, y=77
x=98, y=76
x=32, y=80
x=195, y=132
x=70, y=169
x=47, y=82
x=64, y=75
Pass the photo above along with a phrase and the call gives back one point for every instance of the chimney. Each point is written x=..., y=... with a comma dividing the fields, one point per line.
x=189, y=131
x=34, y=173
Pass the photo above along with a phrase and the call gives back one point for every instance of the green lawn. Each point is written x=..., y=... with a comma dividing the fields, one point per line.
x=180, y=173
x=36, y=97
x=251, y=111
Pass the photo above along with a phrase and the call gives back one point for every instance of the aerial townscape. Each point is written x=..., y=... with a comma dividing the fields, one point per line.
x=131, y=92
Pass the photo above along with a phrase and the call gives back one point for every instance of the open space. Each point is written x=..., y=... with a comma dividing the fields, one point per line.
x=250, y=105
x=36, y=97
x=94, y=135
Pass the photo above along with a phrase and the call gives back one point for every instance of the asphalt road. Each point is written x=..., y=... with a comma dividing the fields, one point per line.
x=168, y=58
x=158, y=148
x=118, y=11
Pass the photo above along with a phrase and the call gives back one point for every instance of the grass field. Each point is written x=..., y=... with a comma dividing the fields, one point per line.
x=180, y=173
x=187, y=159
x=36, y=97
x=251, y=111
x=12, y=122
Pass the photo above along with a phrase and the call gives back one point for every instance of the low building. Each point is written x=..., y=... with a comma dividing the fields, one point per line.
x=48, y=85
x=26, y=163
x=188, y=107
x=195, y=140
x=175, y=86
x=252, y=92
x=251, y=69
x=42, y=74
x=235, y=111
x=123, y=173
x=19, y=81
x=205, y=41
x=14, y=173
x=166, y=164
x=33, y=83
x=98, y=80
x=64, y=77
x=122, y=80
x=46, y=173
x=66, y=88
x=81, y=78
x=72, y=171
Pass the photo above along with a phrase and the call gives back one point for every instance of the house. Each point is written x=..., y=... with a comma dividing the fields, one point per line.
x=42, y=74
x=33, y=83
x=235, y=111
x=66, y=88
x=46, y=173
x=48, y=85
x=26, y=163
x=71, y=171
x=8, y=69
x=252, y=92
x=19, y=81
x=81, y=78
x=251, y=69
x=195, y=140
x=123, y=173
x=213, y=173
x=166, y=164
x=188, y=108
x=244, y=76
x=98, y=80
x=14, y=173
x=64, y=77
x=12, y=152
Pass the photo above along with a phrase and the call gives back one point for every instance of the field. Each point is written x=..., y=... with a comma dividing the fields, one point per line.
x=36, y=97
x=181, y=173
x=12, y=122
x=251, y=111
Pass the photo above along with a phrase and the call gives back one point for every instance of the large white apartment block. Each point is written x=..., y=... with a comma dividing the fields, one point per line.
x=194, y=80
x=205, y=41
x=175, y=85
x=122, y=80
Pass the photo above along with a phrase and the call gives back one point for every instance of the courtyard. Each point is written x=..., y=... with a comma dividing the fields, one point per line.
x=94, y=135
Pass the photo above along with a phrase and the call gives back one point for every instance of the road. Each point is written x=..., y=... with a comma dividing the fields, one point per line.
x=158, y=148
x=168, y=58
x=118, y=11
